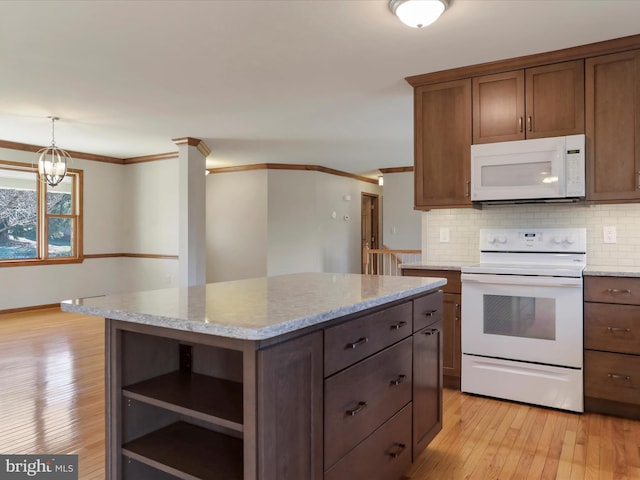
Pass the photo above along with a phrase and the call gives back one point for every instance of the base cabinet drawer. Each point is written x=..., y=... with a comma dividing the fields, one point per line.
x=350, y=342
x=612, y=376
x=359, y=399
x=624, y=290
x=427, y=311
x=612, y=327
x=385, y=455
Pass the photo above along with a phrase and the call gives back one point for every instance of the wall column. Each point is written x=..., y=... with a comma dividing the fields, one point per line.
x=192, y=155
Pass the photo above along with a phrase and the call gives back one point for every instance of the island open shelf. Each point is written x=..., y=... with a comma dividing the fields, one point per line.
x=189, y=452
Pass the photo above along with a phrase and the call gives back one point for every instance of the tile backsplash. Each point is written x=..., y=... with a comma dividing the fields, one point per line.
x=464, y=224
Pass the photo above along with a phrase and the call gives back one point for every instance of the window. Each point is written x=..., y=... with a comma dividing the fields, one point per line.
x=38, y=223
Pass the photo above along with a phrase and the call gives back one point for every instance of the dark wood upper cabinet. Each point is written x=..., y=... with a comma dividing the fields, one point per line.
x=498, y=107
x=443, y=145
x=545, y=101
x=613, y=126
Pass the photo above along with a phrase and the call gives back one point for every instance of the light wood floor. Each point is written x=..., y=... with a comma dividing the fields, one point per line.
x=52, y=401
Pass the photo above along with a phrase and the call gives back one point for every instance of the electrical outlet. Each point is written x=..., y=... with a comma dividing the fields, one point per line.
x=609, y=234
x=444, y=235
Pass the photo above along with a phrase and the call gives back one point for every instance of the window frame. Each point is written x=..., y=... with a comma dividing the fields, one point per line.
x=43, y=217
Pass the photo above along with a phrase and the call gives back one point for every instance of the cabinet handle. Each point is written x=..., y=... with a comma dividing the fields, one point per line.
x=400, y=448
x=360, y=341
x=398, y=380
x=468, y=184
x=398, y=326
x=619, y=290
x=638, y=181
x=618, y=329
x=615, y=376
x=430, y=313
x=430, y=332
x=529, y=123
x=361, y=406
x=520, y=124
x=457, y=307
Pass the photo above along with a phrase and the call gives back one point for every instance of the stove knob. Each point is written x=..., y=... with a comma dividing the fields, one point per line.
x=570, y=239
x=501, y=239
x=557, y=239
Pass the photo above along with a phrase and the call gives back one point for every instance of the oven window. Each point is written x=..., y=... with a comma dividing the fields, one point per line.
x=528, y=317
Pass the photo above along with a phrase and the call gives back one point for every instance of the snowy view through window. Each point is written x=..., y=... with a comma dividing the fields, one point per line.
x=19, y=218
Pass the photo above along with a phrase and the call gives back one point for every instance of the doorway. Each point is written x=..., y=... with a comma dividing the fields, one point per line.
x=369, y=226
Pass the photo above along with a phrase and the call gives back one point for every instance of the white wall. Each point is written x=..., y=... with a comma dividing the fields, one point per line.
x=272, y=222
x=402, y=224
x=46, y=284
x=126, y=209
x=236, y=225
x=464, y=225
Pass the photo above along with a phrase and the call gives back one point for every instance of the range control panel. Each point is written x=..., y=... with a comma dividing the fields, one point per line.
x=556, y=240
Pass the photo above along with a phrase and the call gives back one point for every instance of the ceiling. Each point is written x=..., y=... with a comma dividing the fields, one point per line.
x=317, y=82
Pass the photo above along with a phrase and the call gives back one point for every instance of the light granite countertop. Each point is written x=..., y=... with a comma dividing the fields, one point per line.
x=255, y=309
x=611, y=271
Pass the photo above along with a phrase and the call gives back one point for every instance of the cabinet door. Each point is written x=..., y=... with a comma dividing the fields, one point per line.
x=290, y=410
x=442, y=145
x=612, y=126
x=451, y=351
x=555, y=100
x=427, y=386
x=498, y=107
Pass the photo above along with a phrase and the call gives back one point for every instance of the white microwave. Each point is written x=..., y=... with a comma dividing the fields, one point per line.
x=542, y=169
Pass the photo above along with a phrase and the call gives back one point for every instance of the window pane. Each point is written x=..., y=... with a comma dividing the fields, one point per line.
x=18, y=215
x=59, y=198
x=60, y=241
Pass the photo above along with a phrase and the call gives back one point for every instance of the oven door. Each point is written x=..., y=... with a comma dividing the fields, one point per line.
x=523, y=318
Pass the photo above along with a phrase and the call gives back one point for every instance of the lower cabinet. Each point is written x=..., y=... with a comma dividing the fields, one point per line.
x=612, y=346
x=427, y=386
x=451, y=322
x=358, y=399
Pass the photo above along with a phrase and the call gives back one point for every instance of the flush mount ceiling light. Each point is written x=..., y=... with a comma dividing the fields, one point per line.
x=418, y=13
x=52, y=161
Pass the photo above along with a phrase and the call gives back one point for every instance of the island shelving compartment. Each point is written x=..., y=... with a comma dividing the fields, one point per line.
x=181, y=405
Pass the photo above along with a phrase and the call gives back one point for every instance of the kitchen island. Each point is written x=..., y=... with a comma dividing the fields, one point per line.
x=302, y=376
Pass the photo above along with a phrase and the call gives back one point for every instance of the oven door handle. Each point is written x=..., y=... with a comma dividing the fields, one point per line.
x=522, y=280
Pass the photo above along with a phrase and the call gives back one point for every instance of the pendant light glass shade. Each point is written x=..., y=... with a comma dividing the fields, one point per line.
x=418, y=13
x=52, y=161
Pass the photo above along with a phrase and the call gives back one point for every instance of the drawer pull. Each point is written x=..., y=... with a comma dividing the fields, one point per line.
x=430, y=313
x=398, y=326
x=361, y=406
x=360, y=341
x=432, y=331
x=398, y=449
x=619, y=290
x=618, y=329
x=615, y=376
x=398, y=380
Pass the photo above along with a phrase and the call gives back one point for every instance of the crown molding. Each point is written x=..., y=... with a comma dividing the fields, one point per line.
x=396, y=170
x=289, y=166
x=25, y=147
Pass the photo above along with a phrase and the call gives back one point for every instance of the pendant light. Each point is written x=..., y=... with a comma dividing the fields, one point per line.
x=418, y=13
x=52, y=161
